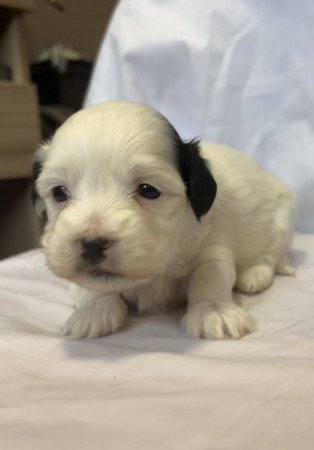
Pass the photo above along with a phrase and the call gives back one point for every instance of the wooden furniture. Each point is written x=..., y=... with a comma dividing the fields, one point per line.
x=19, y=118
x=19, y=131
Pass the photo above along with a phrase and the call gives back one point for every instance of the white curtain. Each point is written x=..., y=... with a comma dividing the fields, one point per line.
x=239, y=72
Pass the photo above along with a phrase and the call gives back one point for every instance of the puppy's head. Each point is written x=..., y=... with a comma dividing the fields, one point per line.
x=118, y=187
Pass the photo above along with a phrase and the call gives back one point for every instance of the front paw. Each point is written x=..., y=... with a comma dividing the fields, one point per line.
x=229, y=321
x=98, y=318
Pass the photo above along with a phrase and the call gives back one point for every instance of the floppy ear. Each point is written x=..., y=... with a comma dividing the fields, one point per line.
x=200, y=185
x=38, y=162
x=36, y=170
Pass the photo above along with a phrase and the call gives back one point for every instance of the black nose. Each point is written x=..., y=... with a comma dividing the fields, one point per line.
x=93, y=250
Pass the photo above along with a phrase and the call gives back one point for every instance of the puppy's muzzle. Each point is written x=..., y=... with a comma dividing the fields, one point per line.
x=94, y=250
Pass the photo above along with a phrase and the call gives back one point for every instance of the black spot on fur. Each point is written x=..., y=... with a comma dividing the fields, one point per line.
x=201, y=188
x=36, y=170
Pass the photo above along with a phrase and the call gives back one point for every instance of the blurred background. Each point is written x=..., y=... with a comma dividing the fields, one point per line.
x=237, y=72
x=47, y=51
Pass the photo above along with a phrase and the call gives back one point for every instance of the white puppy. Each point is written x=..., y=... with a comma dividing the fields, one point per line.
x=137, y=216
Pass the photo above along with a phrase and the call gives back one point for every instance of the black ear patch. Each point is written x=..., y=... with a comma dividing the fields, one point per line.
x=36, y=170
x=201, y=188
x=38, y=164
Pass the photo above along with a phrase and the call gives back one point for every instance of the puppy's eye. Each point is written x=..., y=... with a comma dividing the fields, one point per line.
x=147, y=191
x=60, y=194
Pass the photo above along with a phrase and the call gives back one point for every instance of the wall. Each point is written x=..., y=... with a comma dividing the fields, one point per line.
x=81, y=25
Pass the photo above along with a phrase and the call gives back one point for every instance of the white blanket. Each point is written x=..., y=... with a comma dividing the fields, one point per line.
x=151, y=386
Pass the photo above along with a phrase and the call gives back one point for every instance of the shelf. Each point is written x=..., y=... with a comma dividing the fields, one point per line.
x=19, y=132
x=12, y=45
x=8, y=84
x=19, y=128
x=19, y=116
x=24, y=5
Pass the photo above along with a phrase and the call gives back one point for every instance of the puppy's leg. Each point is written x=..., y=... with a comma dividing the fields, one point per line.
x=96, y=314
x=260, y=275
x=212, y=312
x=283, y=266
x=254, y=279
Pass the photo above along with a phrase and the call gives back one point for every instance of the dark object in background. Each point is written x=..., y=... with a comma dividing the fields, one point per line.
x=67, y=89
x=5, y=72
x=56, y=4
x=51, y=118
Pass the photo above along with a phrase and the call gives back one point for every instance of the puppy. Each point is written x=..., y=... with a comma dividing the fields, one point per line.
x=137, y=216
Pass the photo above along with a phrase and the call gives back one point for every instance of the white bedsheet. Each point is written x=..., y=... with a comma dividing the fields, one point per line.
x=151, y=386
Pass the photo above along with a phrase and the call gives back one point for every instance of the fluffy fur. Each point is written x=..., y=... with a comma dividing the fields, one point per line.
x=221, y=222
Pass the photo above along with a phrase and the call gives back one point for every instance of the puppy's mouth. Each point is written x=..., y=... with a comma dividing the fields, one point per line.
x=102, y=275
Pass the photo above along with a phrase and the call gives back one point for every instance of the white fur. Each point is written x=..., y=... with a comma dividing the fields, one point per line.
x=161, y=253
x=97, y=315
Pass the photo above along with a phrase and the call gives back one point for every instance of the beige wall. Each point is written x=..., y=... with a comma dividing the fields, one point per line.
x=81, y=25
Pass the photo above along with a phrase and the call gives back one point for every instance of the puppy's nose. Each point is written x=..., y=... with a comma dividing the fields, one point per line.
x=93, y=250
